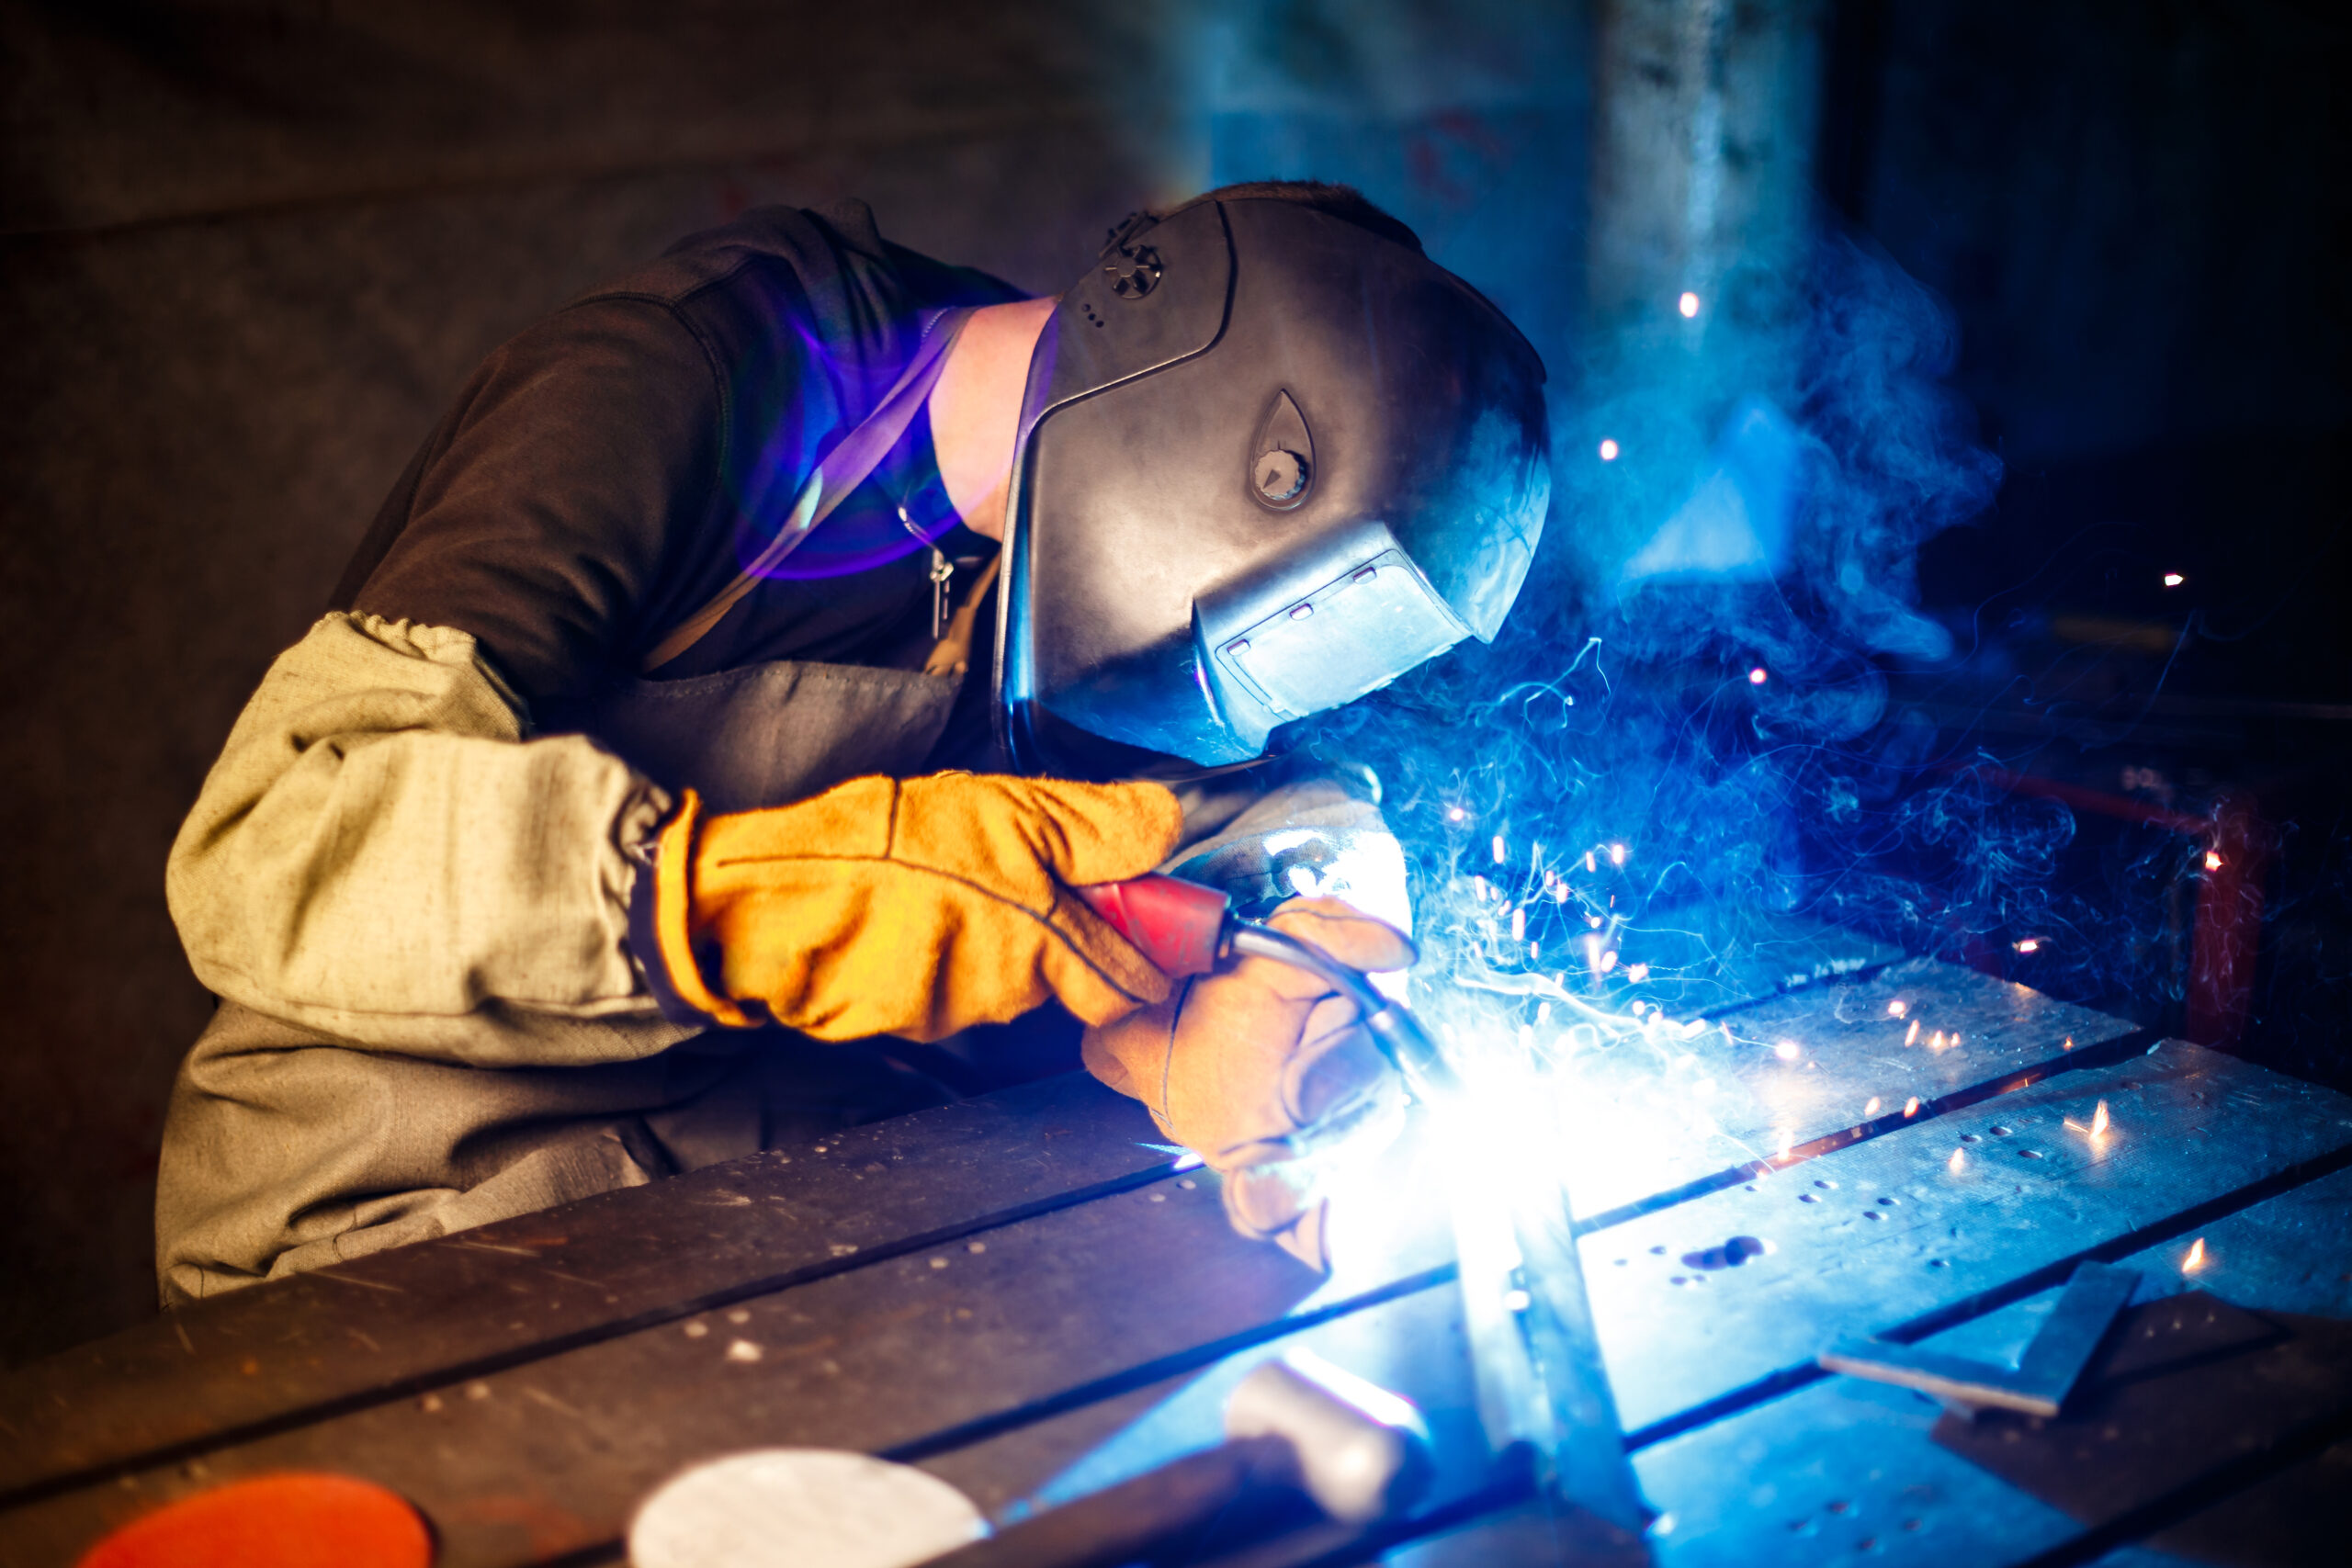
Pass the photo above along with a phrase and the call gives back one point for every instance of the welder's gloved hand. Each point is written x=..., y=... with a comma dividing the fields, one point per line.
x=913, y=907
x=1267, y=1073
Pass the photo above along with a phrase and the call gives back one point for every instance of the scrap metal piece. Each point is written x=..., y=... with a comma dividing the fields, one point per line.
x=2043, y=1376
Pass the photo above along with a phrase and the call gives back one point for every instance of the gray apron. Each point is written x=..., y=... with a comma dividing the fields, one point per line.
x=763, y=736
x=370, y=1149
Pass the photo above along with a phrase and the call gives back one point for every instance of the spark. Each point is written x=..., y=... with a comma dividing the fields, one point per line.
x=1757, y=676
x=2030, y=944
x=1498, y=848
x=1786, y=1050
x=1457, y=814
x=1958, y=1162
x=1616, y=855
x=1519, y=925
x=1588, y=862
x=1559, y=893
x=2098, y=1129
x=2070, y=1044
x=1935, y=1041
x=1688, y=305
x=1637, y=973
x=1609, y=961
x=2196, y=1259
x=1897, y=1008
x=1593, y=920
x=1788, y=1140
x=1608, y=451
x=1592, y=952
x=1911, y=1106
x=1479, y=886
x=2172, y=578
x=1871, y=1109
x=2213, y=861
x=1542, y=1013
x=1534, y=950
x=1911, y=1035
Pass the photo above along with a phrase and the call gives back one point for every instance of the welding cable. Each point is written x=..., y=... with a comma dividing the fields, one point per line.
x=1399, y=1033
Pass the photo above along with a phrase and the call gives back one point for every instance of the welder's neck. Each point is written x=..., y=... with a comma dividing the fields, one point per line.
x=976, y=409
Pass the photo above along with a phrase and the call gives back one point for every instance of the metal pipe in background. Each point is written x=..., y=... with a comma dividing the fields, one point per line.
x=1705, y=114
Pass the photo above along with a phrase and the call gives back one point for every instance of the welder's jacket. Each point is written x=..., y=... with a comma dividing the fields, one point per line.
x=408, y=877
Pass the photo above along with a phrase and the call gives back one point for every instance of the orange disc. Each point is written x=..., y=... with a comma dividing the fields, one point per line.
x=293, y=1520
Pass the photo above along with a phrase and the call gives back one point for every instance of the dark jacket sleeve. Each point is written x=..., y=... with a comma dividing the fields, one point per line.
x=577, y=466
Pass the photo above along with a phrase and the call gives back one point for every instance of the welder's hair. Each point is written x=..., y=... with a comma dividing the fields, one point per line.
x=1343, y=202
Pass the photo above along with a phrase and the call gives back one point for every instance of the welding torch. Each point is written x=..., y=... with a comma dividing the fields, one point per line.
x=1186, y=929
x=1543, y=1388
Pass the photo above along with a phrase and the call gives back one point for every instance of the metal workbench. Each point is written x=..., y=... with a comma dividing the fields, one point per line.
x=1022, y=1294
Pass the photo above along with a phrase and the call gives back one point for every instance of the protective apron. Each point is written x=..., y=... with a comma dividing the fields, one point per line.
x=379, y=1149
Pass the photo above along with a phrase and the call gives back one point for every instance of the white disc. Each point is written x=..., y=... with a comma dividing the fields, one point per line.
x=800, y=1508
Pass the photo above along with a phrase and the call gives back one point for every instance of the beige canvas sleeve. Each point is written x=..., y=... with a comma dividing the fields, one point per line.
x=382, y=856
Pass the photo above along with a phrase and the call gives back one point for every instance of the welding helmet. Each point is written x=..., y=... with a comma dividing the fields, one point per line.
x=1269, y=461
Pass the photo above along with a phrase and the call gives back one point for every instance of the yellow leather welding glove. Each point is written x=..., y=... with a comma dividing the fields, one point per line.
x=1267, y=1073
x=913, y=907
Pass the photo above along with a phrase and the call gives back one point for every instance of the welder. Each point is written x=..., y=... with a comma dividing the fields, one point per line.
x=705, y=739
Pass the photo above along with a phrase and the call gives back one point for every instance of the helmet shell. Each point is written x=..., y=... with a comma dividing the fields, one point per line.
x=1269, y=461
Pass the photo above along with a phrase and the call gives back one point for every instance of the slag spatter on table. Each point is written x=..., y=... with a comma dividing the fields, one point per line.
x=1023, y=1297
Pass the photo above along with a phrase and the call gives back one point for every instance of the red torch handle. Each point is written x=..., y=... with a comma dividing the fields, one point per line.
x=1178, y=925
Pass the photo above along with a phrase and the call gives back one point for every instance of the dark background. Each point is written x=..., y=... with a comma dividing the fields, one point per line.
x=248, y=250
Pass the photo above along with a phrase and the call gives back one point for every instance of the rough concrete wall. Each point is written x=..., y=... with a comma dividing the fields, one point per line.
x=247, y=251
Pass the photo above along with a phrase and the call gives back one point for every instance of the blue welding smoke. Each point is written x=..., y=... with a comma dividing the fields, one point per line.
x=1699, y=670
x=1695, y=731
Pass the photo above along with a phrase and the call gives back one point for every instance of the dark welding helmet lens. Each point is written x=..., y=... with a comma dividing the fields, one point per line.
x=1270, y=461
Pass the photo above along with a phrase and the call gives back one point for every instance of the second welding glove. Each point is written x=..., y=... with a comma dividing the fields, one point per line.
x=913, y=907
x=1267, y=1073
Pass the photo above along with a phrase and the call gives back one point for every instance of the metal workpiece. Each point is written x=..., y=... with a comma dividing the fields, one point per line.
x=1544, y=1392
x=1543, y=1386
x=1544, y=1395
x=1582, y=1458
x=1845, y=1467
x=2037, y=1385
x=1842, y=1466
